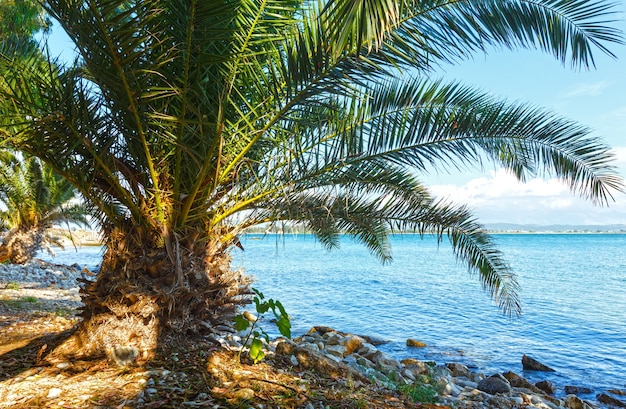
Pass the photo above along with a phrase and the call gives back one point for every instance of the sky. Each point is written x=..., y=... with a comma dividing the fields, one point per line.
x=595, y=98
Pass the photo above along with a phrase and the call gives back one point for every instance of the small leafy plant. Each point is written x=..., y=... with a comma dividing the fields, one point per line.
x=422, y=390
x=250, y=322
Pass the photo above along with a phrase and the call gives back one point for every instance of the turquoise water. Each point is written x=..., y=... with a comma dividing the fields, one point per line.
x=573, y=294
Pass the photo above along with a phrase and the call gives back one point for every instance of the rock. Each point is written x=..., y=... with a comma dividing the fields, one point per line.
x=574, y=402
x=364, y=362
x=448, y=388
x=415, y=343
x=368, y=351
x=336, y=350
x=244, y=394
x=498, y=401
x=374, y=340
x=619, y=392
x=410, y=361
x=351, y=343
x=332, y=338
x=611, y=401
x=519, y=382
x=546, y=386
x=577, y=390
x=317, y=360
x=54, y=393
x=441, y=371
x=409, y=375
x=466, y=383
x=530, y=364
x=320, y=329
x=494, y=384
x=458, y=369
x=250, y=316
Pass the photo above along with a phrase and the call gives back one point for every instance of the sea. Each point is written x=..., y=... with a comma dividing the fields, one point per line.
x=573, y=292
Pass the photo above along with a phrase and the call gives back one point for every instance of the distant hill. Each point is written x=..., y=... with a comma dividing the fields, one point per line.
x=559, y=228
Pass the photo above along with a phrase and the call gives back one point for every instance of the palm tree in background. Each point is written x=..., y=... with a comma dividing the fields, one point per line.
x=33, y=198
x=185, y=122
x=22, y=19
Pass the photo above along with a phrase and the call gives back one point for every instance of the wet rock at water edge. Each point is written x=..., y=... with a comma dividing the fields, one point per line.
x=531, y=364
x=577, y=390
x=574, y=402
x=519, y=382
x=415, y=343
x=611, y=401
x=459, y=369
x=546, y=386
x=494, y=384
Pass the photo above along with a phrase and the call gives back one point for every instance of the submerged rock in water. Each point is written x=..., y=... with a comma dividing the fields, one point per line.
x=611, y=401
x=577, y=390
x=415, y=343
x=531, y=364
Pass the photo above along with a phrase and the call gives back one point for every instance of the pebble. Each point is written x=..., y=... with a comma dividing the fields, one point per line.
x=54, y=393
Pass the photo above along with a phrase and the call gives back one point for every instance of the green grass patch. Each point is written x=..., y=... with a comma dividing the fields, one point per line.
x=21, y=302
x=12, y=286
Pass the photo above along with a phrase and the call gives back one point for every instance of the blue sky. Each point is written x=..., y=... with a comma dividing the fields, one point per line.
x=595, y=98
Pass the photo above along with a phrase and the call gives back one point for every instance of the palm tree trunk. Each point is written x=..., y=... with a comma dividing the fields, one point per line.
x=143, y=293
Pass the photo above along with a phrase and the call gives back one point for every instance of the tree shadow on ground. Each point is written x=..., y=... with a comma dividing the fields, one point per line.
x=185, y=371
x=32, y=377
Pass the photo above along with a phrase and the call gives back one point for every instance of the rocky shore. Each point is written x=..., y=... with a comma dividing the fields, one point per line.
x=355, y=357
x=453, y=384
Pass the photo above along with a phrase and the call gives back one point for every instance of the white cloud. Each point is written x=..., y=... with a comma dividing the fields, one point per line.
x=499, y=197
x=586, y=89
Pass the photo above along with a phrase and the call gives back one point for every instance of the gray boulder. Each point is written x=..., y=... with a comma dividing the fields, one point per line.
x=494, y=384
x=459, y=369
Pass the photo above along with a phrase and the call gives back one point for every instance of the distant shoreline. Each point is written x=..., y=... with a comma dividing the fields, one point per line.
x=84, y=238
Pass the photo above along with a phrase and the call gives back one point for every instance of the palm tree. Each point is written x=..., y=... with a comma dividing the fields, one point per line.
x=34, y=199
x=185, y=122
x=22, y=18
